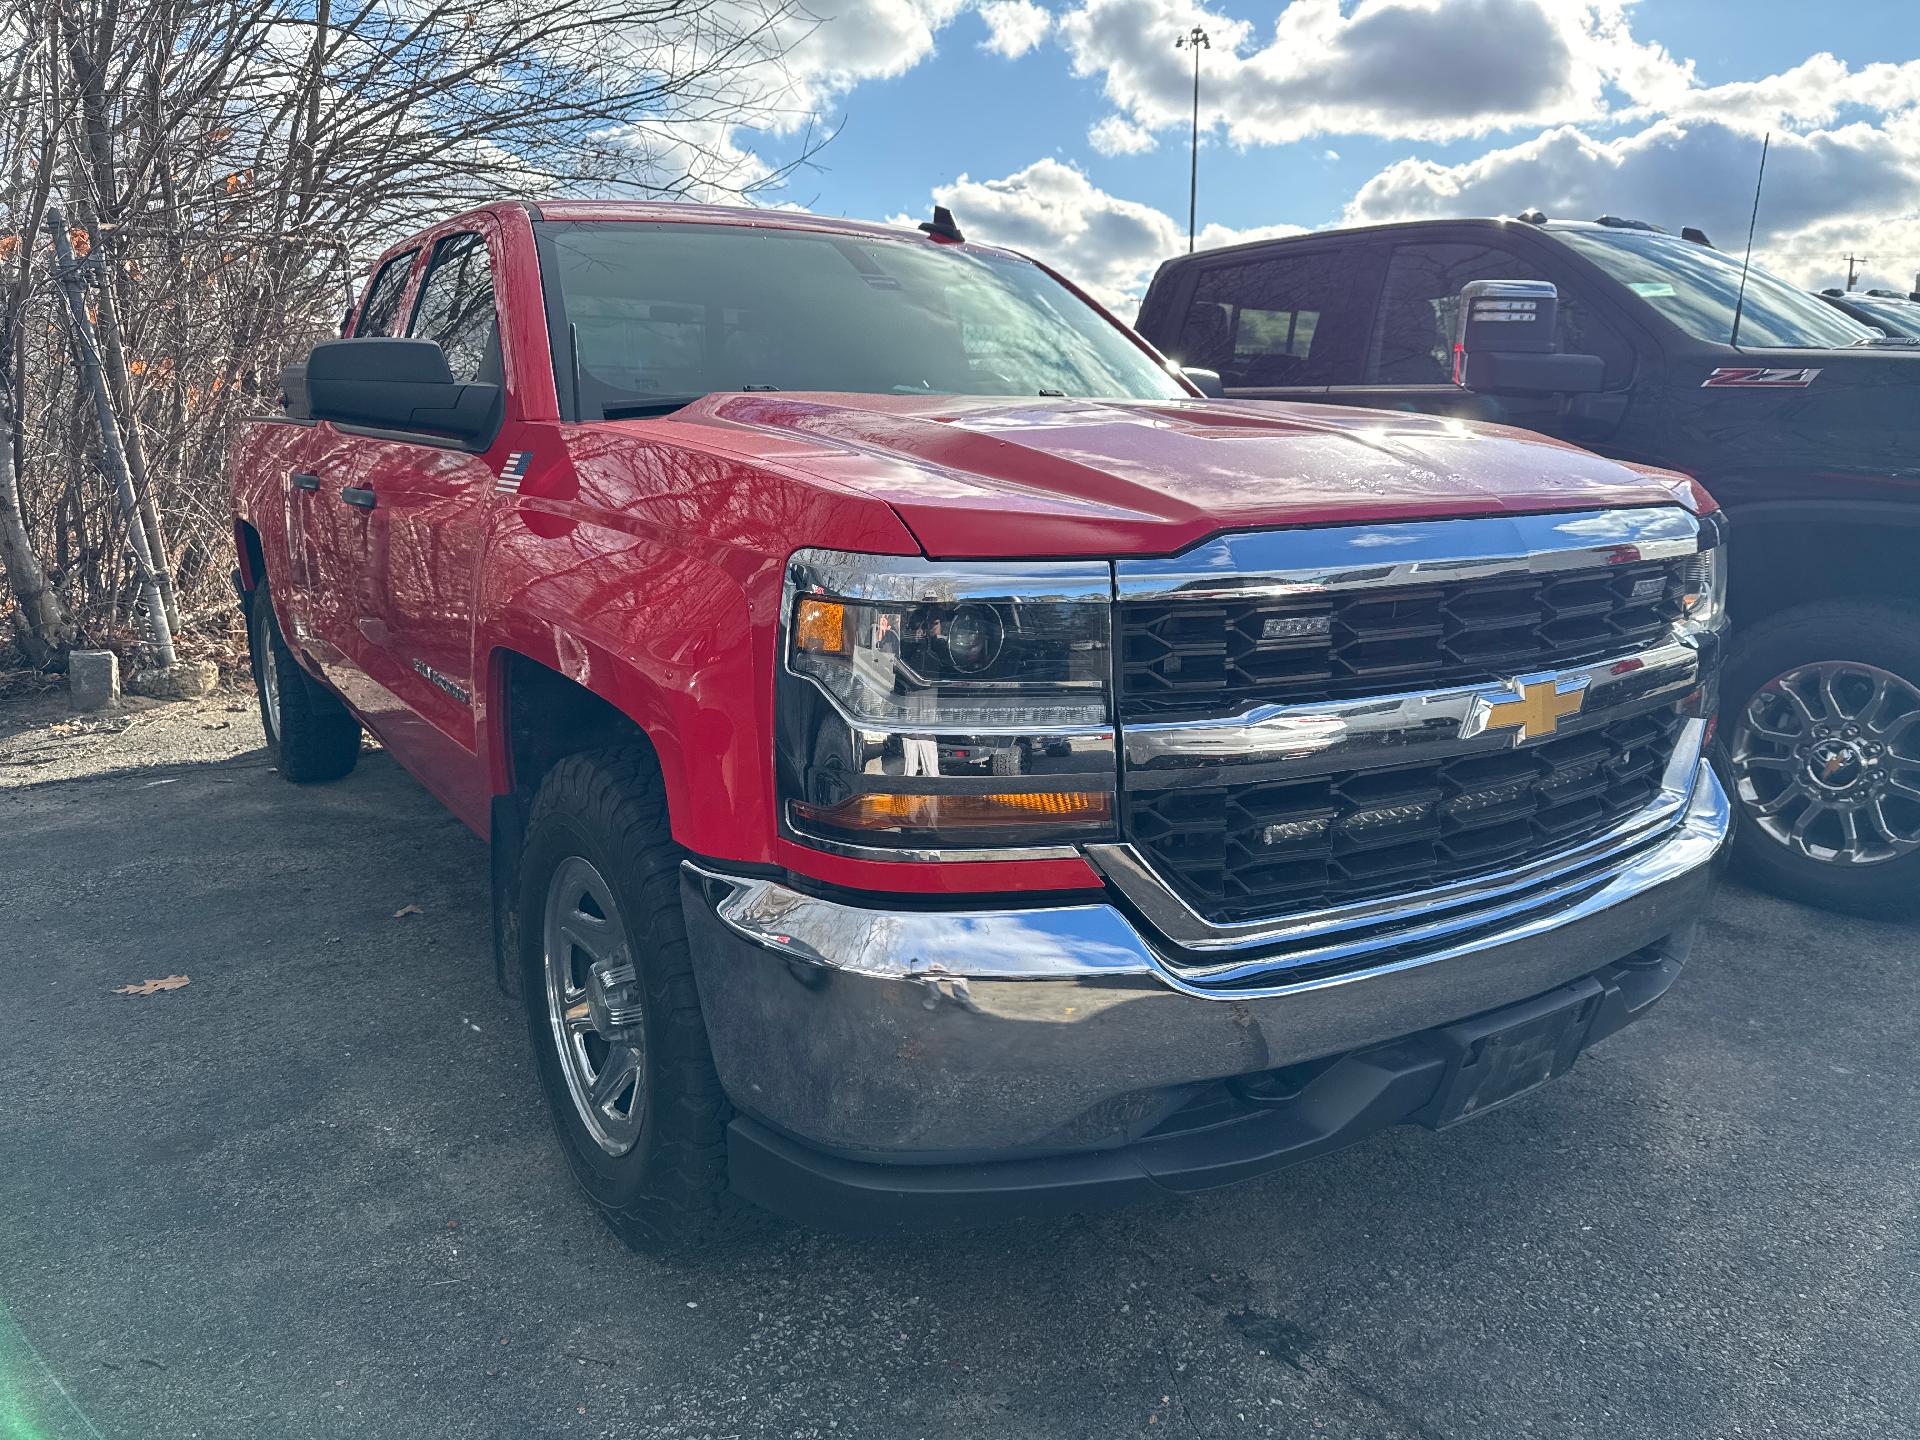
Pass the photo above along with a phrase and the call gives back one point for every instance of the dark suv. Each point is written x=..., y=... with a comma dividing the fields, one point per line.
x=1805, y=426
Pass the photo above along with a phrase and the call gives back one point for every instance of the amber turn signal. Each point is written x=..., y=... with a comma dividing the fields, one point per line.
x=942, y=812
x=820, y=626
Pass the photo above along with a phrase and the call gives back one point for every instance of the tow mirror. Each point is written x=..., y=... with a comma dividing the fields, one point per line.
x=1504, y=342
x=390, y=383
x=1207, y=382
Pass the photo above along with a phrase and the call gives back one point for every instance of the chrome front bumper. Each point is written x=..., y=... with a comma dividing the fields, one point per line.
x=937, y=1035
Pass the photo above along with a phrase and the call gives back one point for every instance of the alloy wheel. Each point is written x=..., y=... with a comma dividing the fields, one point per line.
x=593, y=1005
x=1825, y=760
x=270, y=689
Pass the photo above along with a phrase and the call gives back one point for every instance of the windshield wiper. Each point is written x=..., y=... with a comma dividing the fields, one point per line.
x=655, y=405
x=642, y=409
x=1887, y=342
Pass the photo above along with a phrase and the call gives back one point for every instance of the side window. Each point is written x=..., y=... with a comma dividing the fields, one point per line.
x=382, y=308
x=456, y=308
x=1270, y=322
x=1420, y=307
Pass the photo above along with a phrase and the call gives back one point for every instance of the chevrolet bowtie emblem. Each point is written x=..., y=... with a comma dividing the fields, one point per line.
x=1534, y=706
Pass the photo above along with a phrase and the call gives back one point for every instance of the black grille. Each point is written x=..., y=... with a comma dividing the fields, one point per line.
x=1239, y=851
x=1182, y=658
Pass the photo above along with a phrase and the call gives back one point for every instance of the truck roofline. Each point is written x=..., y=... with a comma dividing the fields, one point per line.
x=1345, y=232
x=673, y=212
x=1383, y=227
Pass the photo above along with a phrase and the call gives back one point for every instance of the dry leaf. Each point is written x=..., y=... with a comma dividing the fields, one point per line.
x=152, y=987
x=406, y=910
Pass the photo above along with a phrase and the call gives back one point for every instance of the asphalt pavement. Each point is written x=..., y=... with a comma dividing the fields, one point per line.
x=312, y=1191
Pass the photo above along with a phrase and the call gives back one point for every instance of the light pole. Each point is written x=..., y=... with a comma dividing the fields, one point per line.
x=1196, y=41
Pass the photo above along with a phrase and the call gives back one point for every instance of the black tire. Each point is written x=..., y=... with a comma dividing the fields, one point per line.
x=668, y=1191
x=1881, y=634
x=311, y=735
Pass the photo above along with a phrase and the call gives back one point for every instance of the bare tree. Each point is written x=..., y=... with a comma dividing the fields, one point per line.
x=232, y=165
x=41, y=625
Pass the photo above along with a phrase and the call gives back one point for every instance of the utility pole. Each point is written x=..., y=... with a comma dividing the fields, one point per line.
x=1195, y=40
x=1853, y=267
x=113, y=454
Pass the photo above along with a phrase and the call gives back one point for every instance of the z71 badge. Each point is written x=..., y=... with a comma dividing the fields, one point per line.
x=1751, y=377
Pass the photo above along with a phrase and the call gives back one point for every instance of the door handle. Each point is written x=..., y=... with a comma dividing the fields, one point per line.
x=359, y=495
x=304, y=481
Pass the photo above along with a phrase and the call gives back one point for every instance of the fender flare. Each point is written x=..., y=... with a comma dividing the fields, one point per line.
x=691, y=710
x=599, y=671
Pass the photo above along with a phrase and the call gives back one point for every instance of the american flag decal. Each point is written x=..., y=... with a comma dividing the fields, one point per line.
x=513, y=471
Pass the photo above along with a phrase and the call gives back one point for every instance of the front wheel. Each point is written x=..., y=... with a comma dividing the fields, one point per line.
x=1821, y=719
x=615, y=1021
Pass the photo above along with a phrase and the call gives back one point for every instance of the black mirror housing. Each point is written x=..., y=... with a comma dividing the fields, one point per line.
x=392, y=383
x=1207, y=382
x=293, y=390
x=1504, y=343
x=1499, y=372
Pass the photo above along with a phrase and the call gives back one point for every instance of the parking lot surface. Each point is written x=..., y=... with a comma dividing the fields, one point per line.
x=312, y=1191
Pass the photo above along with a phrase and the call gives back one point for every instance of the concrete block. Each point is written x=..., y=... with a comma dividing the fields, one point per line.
x=93, y=679
x=186, y=680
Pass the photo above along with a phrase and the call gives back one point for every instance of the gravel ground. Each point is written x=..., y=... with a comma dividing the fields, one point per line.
x=312, y=1191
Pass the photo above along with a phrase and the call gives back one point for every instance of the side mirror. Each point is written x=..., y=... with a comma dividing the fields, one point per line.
x=1504, y=342
x=293, y=390
x=1207, y=382
x=390, y=383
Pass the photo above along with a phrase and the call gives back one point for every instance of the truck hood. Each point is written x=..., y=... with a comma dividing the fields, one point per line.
x=982, y=478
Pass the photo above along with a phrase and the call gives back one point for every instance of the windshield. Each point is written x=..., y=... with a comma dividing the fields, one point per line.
x=1896, y=317
x=1695, y=286
x=665, y=313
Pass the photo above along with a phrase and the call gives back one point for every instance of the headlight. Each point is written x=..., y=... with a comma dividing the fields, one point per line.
x=948, y=707
x=1703, y=592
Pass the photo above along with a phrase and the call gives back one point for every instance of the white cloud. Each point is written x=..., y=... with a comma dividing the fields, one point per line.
x=689, y=160
x=1415, y=69
x=1827, y=191
x=1014, y=26
x=836, y=46
x=1438, y=70
x=775, y=71
x=1813, y=94
x=1106, y=245
x=1117, y=135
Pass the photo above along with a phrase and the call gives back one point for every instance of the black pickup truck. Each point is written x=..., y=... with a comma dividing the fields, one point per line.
x=1803, y=423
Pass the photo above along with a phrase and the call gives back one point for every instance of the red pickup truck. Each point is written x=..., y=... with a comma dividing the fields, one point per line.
x=939, y=765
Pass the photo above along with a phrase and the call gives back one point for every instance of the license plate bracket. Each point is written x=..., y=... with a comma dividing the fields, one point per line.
x=1494, y=1059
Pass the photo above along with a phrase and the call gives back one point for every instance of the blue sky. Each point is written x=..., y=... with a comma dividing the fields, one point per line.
x=1322, y=110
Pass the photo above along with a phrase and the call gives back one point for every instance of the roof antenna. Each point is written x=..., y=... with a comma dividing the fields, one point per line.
x=1740, y=300
x=941, y=227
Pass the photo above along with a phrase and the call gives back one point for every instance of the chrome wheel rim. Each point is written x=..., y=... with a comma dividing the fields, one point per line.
x=1826, y=761
x=593, y=1006
x=270, y=690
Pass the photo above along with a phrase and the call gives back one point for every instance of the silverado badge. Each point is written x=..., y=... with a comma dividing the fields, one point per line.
x=1532, y=706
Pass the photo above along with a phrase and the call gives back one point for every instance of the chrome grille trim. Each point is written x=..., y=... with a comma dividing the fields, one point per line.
x=1218, y=954
x=1422, y=552
x=1340, y=735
